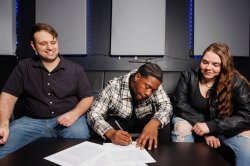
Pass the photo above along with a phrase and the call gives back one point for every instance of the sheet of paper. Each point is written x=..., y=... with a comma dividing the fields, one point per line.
x=107, y=160
x=92, y=154
x=102, y=160
x=77, y=155
x=128, y=154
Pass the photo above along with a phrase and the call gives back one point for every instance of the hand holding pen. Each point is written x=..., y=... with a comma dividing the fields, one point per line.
x=124, y=134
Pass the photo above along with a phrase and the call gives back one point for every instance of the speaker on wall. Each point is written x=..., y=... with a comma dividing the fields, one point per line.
x=224, y=21
x=69, y=18
x=138, y=27
x=8, y=27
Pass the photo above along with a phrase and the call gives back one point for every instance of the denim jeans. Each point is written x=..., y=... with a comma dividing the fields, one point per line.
x=25, y=130
x=239, y=144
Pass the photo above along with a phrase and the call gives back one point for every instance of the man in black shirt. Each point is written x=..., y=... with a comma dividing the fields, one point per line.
x=56, y=91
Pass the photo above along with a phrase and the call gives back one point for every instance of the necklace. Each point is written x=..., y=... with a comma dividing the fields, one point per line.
x=209, y=87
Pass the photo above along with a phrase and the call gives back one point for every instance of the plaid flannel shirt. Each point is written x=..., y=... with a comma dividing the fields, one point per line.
x=116, y=100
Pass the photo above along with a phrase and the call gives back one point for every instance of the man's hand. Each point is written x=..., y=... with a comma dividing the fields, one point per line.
x=201, y=129
x=4, y=131
x=212, y=141
x=68, y=118
x=149, y=134
x=119, y=137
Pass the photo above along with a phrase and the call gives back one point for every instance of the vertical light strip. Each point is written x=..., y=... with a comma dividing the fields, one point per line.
x=190, y=24
x=17, y=22
x=191, y=30
x=191, y=27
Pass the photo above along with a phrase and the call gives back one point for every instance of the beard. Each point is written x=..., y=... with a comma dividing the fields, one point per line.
x=136, y=95
x=134, y=91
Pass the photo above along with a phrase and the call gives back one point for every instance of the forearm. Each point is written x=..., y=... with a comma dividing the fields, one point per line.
x=99, y=112
x=229, y=125
x=163, y=115
x=83, y=106
x=7, y=103
x=98, y=123
x=163, y=108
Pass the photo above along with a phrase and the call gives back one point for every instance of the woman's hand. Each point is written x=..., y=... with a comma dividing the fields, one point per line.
x=201, y=129
x=212, y=141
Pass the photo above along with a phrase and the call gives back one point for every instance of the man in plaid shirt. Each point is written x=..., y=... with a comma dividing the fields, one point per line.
x=135, y=102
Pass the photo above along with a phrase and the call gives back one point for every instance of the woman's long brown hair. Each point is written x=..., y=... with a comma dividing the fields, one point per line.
x=223, y=91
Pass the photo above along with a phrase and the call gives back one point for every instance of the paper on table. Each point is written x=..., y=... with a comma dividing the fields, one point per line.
x=91, y=154
x=107, y=160
x=114, y=147
x=77, y=155
x=128, y=154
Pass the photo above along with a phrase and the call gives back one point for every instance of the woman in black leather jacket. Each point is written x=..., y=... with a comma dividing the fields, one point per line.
x=212, y=102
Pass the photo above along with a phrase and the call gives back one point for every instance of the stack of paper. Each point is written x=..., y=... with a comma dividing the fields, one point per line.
x=108, y=154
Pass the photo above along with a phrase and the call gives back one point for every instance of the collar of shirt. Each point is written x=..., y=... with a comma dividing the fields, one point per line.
x=37, y=63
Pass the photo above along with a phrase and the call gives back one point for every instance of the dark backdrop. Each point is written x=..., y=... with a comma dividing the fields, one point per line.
x=177, y=41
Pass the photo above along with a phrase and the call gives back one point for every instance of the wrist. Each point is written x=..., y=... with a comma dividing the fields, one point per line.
x=155, y=122
x=76, y=112
x=109, y=134
x=4, y=122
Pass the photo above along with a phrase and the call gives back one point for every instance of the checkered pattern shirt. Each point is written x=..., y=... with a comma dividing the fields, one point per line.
x=116, y=100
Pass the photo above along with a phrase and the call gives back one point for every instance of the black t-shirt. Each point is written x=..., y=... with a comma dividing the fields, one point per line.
x=201, y=104
x=48, y=94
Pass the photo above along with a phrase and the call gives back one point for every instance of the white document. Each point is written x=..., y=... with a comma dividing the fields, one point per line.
x=128, y=154
x=77, y=155
x=92, y=154
x=107, y=160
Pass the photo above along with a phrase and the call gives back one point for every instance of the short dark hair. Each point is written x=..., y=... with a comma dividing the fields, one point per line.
x=42, y=26
x=151, y=69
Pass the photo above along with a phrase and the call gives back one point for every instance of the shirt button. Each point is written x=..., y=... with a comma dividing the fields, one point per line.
x=51, y=102
x=52, y=112
x=48, y=94
x=49, y=74
x=48, y=83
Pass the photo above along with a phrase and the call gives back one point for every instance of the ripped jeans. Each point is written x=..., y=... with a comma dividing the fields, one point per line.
x=240, y=143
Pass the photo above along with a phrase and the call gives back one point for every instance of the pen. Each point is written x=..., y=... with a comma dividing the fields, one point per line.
x=118, y=125
x=121, y=129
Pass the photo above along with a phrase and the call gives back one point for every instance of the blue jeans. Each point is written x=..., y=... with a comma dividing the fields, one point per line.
x=239, y=144
x=26, y=130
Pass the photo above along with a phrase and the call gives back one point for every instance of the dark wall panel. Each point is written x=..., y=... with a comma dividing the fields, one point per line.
x=98, y=61
x=26, y=19
x=99, y=22
x=7, y=64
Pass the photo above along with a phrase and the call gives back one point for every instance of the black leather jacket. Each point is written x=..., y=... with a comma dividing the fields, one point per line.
x=184, y=99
